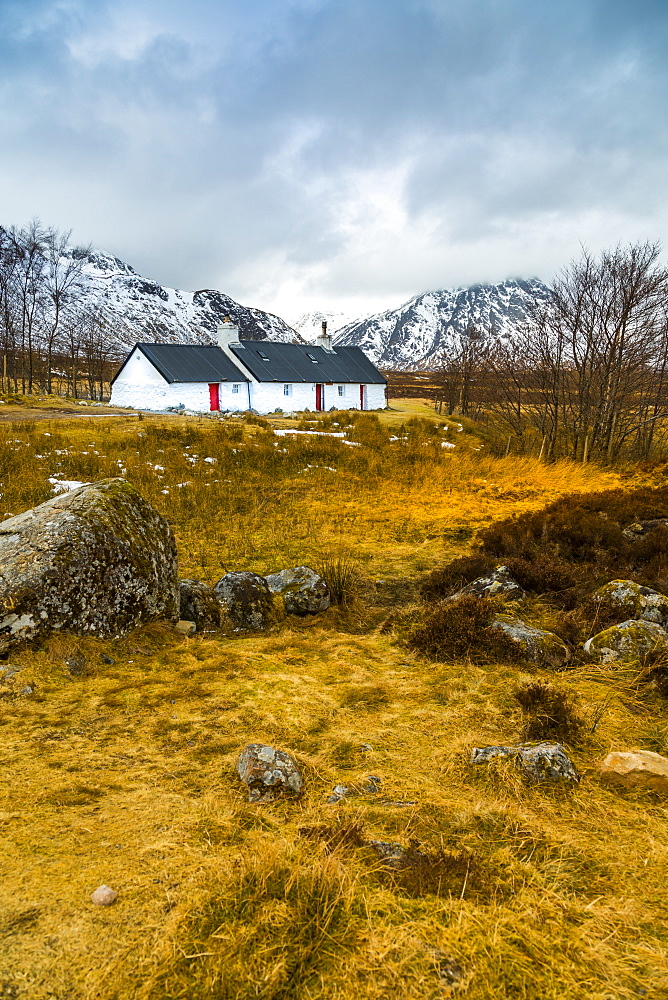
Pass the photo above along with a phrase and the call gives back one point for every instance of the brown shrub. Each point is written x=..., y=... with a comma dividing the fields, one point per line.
x=460, y=628
x=550, y=713
x=448, y=579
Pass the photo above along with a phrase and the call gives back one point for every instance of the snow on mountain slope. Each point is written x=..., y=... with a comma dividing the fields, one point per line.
x=309, y=324
x=426, y=330
x=138, y=309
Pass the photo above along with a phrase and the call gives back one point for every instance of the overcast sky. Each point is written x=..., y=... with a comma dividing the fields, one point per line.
x=337, y=154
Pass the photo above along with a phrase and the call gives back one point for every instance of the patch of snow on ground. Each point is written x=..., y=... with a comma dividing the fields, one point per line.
x=64, y=485
x=330, y=434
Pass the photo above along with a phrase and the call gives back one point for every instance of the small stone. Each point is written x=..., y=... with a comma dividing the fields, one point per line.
x=634, y=532
x=186, y=628
x=246, y=598
x=640, y=769
x=106, y=659
x=371, y=787
x=199, y=604
x=269, y=774
x=498, y=583
x=544, y=762
x=304, y=592
x=104, y=896
x=534, y=644
x=628, y=641
x=9, y=670
x=76, y=665
x=29, y=689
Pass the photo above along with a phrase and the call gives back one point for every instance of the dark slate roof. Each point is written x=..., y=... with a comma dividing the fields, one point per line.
x=190, y=363
x=268, y=361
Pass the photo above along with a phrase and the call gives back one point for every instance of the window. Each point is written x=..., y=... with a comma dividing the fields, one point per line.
x=342, y=390
x=287, y=389
x=314, y=360
x=235, y=387
x=265, y=357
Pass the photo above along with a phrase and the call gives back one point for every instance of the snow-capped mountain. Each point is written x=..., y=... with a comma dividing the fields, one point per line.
x=138, y=309
x=426, y=330
x=309, y=324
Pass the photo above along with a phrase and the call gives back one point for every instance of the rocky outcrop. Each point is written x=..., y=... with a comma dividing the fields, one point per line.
x=533, y=644
x=498, y=583
x=640, y=769
x=246, y=598
x=544, y=762
x=635, y=601
x=199, y=603
x=269, y=774
x=97, y=560
x=627, y=641
x=304, y=592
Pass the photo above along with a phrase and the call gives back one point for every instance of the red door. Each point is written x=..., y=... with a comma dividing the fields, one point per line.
x=319, y=395
x=214, y=398
x=362, y=397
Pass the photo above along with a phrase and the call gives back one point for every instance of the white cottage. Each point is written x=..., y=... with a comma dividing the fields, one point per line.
x=258, y=375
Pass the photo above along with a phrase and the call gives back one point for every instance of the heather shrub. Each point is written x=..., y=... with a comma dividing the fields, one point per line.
x=549, y=713
x=460, y=628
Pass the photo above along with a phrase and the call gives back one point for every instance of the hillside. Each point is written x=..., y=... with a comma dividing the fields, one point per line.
x=138, y=308
x=427, y=328
x=119, y=754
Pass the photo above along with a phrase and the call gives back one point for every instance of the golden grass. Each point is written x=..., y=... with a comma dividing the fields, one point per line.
x=123, y=773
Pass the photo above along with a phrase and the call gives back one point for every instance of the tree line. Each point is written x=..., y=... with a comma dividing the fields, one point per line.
x=586, y=376
x=51, y=338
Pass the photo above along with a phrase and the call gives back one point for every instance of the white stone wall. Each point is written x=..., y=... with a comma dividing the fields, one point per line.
x=142, y=387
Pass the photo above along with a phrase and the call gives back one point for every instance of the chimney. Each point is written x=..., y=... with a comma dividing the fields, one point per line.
x=227, y=333
x=323, y=339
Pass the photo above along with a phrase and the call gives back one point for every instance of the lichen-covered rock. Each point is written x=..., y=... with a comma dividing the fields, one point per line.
x=498, y=583
x=634, y=532
x=199, y=603
x=534, y=644
x=636, y=601
x=98, y=560
x=269, y=774
x=627, y=641
x=640, y=769
x=544, y=762
x=246, y=598
x=304, y=592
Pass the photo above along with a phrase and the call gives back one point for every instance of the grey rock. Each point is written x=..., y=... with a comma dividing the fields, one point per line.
x=269, y=774
x=636, y=601
x=9, y=670
x=107, y=659
x=498, y=583
x=186, y=628
x=199, y=603
x=534, y=644
x=76, y=664
x=544, y=762
x=627, y=641
x=29, y=689
x=392, y=855
x=98, y=560
x=246, y=598
x=371, y=787
x=634, y=532
x=304, y=592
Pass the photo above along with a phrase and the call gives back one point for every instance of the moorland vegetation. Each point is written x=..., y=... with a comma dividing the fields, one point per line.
x=119, y=754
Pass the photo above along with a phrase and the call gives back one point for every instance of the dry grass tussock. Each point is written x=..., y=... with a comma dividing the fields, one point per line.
x=122, y=773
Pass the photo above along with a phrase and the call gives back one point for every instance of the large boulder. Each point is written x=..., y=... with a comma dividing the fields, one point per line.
x=268, y=773
x=498, y=583
x=199, y=603
x=635, y=601
x=98, y=560
x=628, y=641
x=304, y=592
x=533, y=644
x=543, y=762
x=246, y=598
x=640, y=769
